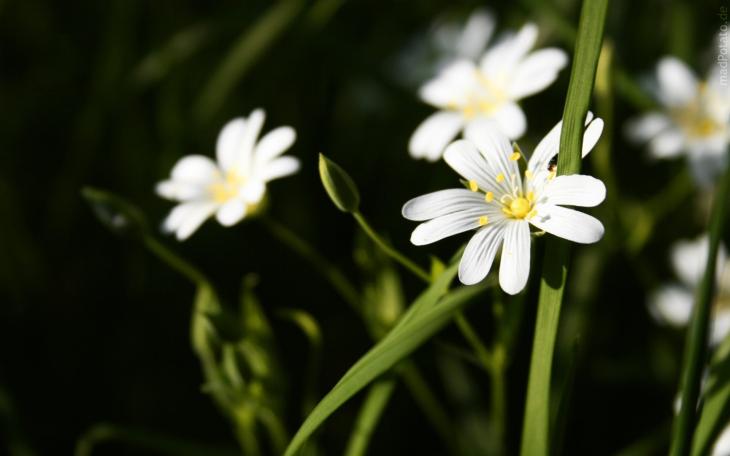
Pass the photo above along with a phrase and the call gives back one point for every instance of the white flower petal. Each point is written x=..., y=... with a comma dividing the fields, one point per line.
x=677, y=82
x=514, y=268
x=228, y=145
x=279, y=167
x=500, y=60
x=434, y=133
x=722, y=444
x=464, y=158
x=253, y=192
x=720, y=328
x=668, y=143
x=573, y=190
x=479, y=253
x=244, y=156
x=568, y=224
x=231, y=212
x=445, y=226
x=643, y=128
x=496, y=150
x=548, y=147
x=537, y=71
x=274, y=143
x=452, y=86
x=195, y=169
x=689, y=259
x=185, y=218
x=180, y=191
x=436, y=204
x=671, y=305
x=511, y=120
x=476, y=34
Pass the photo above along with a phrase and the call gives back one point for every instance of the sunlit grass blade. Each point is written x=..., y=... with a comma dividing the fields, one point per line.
x=716, y=402
x=424, y=321
x=536, y=428
x=370, y=413
x=695, y=352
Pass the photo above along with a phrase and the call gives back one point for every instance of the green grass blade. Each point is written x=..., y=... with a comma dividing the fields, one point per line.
x=697, y=337
x=424, y=321
x=536, y=427
x=716, y=402
x=370, y=413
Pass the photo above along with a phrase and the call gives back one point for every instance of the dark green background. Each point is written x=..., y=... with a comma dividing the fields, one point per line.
x=93, y=328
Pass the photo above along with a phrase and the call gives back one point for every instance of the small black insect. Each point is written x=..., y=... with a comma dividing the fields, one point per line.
x=553, y=163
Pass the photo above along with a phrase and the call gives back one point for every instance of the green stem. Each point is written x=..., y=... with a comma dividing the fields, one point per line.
x=499, y=398
x=370, y=413
x=536, y=426
x=174, y=260
x=480, y=350
x=695, y=353
x=330, y=272
x=390, y=250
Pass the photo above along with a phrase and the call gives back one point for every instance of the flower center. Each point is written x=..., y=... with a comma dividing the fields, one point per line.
x=484, y=99
x=227, y=187
x=697, y=118
x=519, y=207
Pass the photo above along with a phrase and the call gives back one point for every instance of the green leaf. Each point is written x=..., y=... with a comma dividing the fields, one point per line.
x=716, y=408
x=420, y=323
x=339, y=185
x=536, y=428
x=116, y=214
x=370, y=413
x=695, y=350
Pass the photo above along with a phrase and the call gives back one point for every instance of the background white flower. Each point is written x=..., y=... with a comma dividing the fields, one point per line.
x=232, y=187
x=501, y=205
x=722, y=444
x=694, y=119
x=672, y=303
x=465, y=92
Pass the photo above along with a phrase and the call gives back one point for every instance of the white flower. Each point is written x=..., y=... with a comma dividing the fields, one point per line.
x=694, y=119
x=466, y=93
x=672, y=303
x=232, y=187
x=501, y=206
x=467, y=40
x=722, y=444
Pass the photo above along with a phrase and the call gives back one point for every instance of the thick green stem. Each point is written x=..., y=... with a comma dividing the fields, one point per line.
x=695, y=353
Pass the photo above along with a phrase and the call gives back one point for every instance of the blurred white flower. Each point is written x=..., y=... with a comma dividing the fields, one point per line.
x=722, y=444
x=465, y=92
x=232, y=187
x=672, y=303
x=501, y=206
x=694, y=119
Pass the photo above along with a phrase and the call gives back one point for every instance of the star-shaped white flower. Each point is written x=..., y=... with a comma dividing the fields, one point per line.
x=465, y=93
x=672, y=303
x=694, y=119
x=232, y=187
x=501, y=205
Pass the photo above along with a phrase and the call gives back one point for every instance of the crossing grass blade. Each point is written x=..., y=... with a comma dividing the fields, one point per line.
x=419, y=324
x=536, y=427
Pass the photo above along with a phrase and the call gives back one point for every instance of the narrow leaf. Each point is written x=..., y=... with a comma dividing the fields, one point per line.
x=339, y=185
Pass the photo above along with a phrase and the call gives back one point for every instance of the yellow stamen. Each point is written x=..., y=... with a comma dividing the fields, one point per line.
x=483, y=220
x=489, y=197
x=519, y=207
x=500, y=177
x=473, y=186
x=531, y=214
x=531, y=196
x=528, y=174
x=515, y=156
x=226, y=188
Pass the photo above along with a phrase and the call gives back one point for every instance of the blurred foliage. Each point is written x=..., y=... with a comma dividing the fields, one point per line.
x=93, y=329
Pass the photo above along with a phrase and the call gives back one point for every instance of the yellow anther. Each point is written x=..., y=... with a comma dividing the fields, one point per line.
x=531, y=196
x=552, y=175
x=528, y=174
x=531, y=214
x=489, y=197
x=500, y=177
x=515, y=156
x=506, y=212
x=469, y=112
x=473, y=186
x=483, y=220
x=519, y=207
